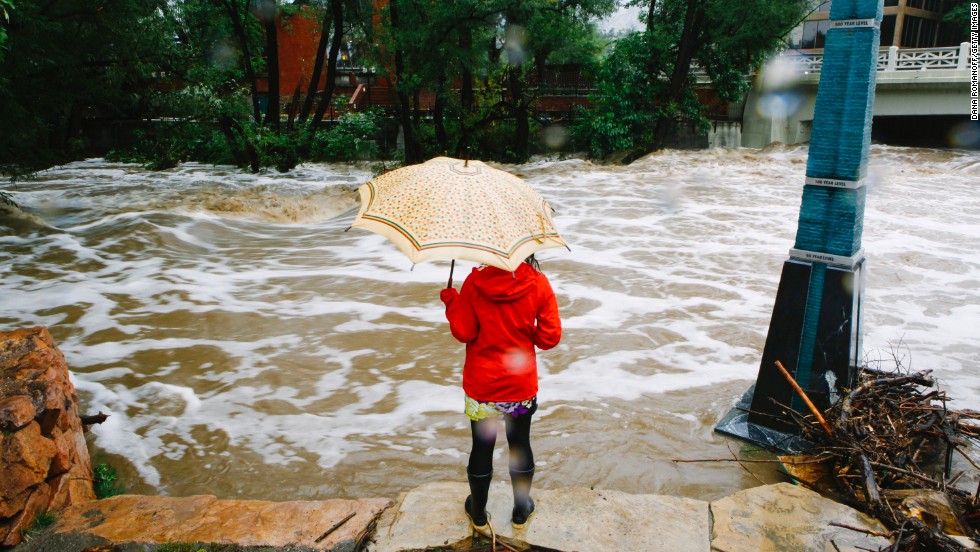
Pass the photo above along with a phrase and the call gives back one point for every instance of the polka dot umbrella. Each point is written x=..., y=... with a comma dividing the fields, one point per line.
x=453, y=209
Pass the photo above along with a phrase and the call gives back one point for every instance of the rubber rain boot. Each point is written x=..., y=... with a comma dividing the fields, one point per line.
x=523, y=503
x=476, y=503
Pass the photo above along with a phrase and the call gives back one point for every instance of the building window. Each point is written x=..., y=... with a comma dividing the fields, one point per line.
x=891, y=3
x=825, y=7
x=918, y=32
x=927, y=5
x=814, y=34
x=888, y=30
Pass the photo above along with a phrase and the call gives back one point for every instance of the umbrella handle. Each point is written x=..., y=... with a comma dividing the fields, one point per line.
x=452, y=266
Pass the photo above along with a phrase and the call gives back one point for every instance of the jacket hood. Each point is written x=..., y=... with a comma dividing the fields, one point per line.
x=501, y=286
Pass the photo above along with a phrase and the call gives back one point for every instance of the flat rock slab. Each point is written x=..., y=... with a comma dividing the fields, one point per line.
x=205, y=519
x=787, y=518
x=565, y=520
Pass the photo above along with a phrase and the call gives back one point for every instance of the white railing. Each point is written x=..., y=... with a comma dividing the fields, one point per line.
x=898, y=59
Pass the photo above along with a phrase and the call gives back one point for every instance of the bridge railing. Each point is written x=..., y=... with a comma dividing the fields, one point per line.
x=898, y=59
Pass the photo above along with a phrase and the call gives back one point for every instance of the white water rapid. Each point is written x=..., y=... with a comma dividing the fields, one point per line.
x=245, y=346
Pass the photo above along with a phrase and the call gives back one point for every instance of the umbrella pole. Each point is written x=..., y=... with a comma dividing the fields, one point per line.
x=452, y=265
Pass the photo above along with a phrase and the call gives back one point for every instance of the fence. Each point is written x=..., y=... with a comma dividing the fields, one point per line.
x=899, y=59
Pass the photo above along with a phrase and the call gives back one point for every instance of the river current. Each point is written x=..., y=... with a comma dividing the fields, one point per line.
x=245, y=345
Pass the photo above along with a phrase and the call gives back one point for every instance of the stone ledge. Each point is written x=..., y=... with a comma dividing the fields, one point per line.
x=564, y=519
x=205, y=519
x=772, y=518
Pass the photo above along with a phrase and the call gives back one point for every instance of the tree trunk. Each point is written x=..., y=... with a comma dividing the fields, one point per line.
x=413, y=153
x=239, y=19
x=267, y=13
x=294, y=105
x=241, y=149
x=321, y=52
x=337, y=7
x=521, y=115
x=515, y=81
x=650, y=16
x=686, y=48
x=467, y=97
x=438, y=115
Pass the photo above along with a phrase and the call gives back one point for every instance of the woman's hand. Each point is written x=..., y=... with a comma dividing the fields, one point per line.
x=448, y=295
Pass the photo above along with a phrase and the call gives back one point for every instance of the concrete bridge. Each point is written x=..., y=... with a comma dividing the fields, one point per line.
x=933, y=83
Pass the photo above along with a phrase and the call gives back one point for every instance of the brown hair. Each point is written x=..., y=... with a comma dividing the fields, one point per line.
x=532, y=262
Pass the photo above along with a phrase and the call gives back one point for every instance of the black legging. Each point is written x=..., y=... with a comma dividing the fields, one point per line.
x=518, y=441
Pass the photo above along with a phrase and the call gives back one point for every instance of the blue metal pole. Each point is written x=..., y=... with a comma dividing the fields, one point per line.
x=815, y=326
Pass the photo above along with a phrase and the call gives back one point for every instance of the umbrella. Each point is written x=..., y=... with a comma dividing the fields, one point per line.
x=453, y=209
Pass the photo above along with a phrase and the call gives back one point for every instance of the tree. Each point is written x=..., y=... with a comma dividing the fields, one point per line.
x=5, y=7
x=333, y=17
x=267, y=14
x=958, y=16
x=65, y=59
x=491, y=48
x=646, y=85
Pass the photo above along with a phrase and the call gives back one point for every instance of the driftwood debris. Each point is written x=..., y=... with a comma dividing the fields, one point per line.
x=806, y=399
x=889, y=446
x=335, y=527
x=92, y=419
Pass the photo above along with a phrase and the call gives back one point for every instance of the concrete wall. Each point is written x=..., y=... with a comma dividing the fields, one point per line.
x=897, y=93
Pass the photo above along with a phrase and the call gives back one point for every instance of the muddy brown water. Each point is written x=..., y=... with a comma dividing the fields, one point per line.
x=245, y=346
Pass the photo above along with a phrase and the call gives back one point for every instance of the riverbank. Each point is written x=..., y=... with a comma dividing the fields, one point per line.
x=430, y=517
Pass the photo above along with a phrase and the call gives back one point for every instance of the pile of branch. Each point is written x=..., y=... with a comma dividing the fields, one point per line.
x=889, y=443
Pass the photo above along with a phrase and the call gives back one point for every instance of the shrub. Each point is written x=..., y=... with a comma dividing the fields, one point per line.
x=352, y=137
x=104, y=483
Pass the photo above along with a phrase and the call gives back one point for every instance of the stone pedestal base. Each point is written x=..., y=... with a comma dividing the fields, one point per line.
x=820, y=349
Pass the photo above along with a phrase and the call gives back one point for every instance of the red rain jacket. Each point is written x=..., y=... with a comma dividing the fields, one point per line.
x=501, y=316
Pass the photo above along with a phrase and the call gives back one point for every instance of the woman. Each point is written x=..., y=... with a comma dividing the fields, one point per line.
x=501, y=317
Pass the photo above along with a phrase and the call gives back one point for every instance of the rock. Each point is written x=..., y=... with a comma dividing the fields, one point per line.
x=36, y=503
x=564, y=519
x=63, y=445
x=205, y=519
x=16, y=412
x=24, y=463
x=44, y=460
x=932, y=507
x=784, y=517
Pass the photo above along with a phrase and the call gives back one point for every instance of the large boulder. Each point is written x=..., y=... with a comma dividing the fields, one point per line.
x=44, y=460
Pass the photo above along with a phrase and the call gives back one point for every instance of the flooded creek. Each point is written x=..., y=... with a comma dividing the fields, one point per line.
x=246, y=346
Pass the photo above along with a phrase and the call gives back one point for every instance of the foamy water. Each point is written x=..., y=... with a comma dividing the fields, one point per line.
x=245, y=345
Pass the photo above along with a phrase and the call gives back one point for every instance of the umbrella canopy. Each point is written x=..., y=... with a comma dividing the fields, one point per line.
x=453, y=209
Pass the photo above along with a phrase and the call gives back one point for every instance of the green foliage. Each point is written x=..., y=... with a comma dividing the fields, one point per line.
x=5, y=7
x=440, y=43
x=166, y=144
x=625, y=105
x=639, y=92
x=41, y=520
x=353, y=136
x=67, y=59
x=104, y=482
x=192, y=64
x=958, y=16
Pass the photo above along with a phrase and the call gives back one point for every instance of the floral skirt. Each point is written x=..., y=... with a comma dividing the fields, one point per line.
x=479, y=410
